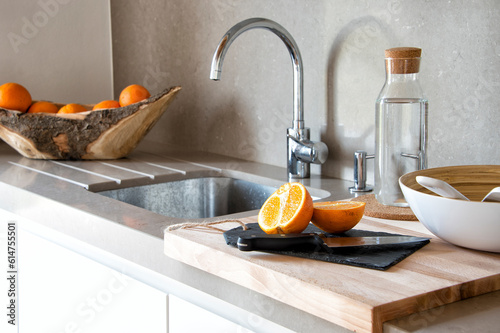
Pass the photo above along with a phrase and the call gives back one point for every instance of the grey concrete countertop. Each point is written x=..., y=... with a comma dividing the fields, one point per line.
x=56, y=200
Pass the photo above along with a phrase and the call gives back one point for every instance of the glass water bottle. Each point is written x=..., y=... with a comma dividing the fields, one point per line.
x=401, y=125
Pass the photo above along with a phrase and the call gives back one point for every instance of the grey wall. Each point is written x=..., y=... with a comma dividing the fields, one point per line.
x=59, y=50
x=165, y=43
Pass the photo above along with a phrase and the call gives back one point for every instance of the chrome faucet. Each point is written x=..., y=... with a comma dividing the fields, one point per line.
x=300, y=150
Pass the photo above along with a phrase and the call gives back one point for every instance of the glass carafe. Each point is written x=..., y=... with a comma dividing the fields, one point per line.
x=401, y=125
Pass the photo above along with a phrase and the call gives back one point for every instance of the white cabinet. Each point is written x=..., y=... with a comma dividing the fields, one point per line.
x=62, y=292
x=184, y=317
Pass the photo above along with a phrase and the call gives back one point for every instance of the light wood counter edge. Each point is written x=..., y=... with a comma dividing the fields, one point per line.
x=246, y=270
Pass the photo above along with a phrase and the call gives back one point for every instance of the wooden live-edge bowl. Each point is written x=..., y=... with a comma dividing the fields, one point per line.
x=91, y=135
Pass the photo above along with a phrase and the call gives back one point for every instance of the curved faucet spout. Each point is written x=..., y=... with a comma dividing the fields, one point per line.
x=238, y=29
x=300, y=150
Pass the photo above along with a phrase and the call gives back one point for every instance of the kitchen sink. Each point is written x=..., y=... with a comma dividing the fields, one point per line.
x=195, y=198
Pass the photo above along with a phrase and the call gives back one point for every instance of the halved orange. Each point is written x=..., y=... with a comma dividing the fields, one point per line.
x=337, y=216
x=288, y=210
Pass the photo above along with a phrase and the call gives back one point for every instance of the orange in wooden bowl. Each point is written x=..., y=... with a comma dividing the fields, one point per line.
x=337, y=216
x=72, y=108
x=43, y=107
x=14, y=96
x=133, y=94
x=107, y=104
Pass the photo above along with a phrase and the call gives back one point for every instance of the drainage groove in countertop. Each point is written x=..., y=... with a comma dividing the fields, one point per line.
x=93, y=175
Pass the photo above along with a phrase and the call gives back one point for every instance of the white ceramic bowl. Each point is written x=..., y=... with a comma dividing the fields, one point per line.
x=471, y=224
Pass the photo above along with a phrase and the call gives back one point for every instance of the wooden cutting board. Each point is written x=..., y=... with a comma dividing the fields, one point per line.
x=356, y=298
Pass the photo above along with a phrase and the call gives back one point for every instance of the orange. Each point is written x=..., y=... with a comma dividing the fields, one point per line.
x=14, y=96
x=337, y=216
x=43, y=107
x=72, y=108
x=288, y=210
x=133, y=94
x=106, y=105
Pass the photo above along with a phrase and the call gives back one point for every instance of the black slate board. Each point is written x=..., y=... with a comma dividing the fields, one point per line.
x=380, y=258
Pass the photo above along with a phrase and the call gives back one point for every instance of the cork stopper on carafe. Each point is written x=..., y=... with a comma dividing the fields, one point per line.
x=402, y=60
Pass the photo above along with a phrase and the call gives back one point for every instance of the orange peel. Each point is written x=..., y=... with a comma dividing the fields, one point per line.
x=337, y=216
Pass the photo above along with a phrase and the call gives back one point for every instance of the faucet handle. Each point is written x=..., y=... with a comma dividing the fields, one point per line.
x=360, y=157
x=319, y=152
x=309, y=151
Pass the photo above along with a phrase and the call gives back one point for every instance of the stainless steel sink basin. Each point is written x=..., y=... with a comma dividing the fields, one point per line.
x=195, y=198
